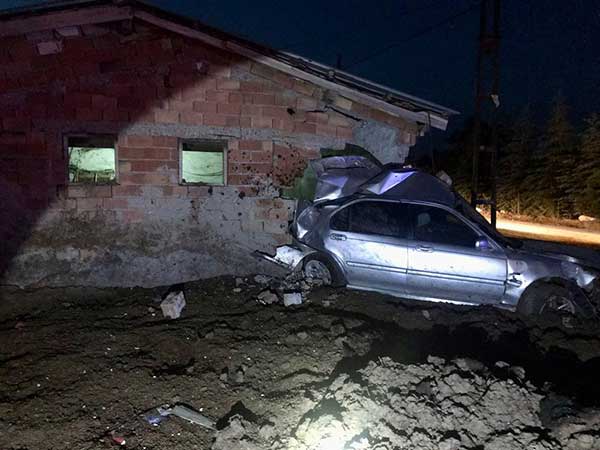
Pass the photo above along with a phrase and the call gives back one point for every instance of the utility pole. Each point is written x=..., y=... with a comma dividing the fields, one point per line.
x=487, y=102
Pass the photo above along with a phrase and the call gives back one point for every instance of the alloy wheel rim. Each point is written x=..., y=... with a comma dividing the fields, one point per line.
x=318, y=271
x=559, y=304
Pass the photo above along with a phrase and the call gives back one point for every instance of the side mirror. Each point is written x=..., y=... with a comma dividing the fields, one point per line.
x=482, y=244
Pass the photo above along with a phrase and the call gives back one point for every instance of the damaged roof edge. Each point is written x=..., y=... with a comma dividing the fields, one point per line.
x=26, y=19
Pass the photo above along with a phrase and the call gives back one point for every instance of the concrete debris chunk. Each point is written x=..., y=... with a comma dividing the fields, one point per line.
x=262, y=279
x=267, y=297
x=518, y=371
x=239, y=375
x=172, y=305
x=292, y=298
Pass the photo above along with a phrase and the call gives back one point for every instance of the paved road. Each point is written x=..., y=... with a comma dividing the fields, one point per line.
x=549, y=232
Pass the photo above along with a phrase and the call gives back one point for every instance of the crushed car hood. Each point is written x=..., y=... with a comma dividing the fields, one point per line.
x=341, y=176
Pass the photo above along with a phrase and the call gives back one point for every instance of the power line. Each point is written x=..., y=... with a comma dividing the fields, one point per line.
x=413, y=36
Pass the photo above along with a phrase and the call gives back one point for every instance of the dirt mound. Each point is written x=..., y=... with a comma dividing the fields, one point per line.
x=437, y=405
x=345, y=370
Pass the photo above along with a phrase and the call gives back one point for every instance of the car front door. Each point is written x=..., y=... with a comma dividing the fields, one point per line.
x=368, y=237
x=444, y=261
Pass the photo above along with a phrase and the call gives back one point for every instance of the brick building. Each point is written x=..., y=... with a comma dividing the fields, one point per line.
x=141, y=148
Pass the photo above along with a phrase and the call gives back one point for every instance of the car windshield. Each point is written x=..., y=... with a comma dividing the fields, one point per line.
x=471, y=213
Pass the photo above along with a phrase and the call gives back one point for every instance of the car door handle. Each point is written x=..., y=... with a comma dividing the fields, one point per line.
x=424, y=248
x=337, y=237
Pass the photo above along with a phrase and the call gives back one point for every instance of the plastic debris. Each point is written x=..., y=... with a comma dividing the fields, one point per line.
x=156, y=415
x=119, y=440
x=173, y=304
x=292, y=298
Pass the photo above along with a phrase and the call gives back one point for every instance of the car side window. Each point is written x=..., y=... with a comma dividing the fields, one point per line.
x=372, y=217
x=439, y=226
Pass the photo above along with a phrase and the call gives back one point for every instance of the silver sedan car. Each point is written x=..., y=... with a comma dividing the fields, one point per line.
x=408, y=234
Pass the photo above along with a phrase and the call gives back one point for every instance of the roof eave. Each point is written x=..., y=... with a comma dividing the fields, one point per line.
x=354, y=88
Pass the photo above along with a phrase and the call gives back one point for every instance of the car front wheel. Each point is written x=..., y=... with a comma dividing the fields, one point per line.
x=319, y=267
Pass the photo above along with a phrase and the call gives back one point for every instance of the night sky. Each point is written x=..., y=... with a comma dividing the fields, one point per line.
x=427, y=47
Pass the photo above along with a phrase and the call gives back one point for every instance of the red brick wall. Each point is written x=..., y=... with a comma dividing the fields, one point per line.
x=150, y=89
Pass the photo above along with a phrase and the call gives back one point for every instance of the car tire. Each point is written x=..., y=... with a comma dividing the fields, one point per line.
x=319, y=266
x=547, y=298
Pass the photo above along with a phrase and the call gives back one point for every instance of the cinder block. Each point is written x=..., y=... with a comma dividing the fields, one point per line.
x=262, y=122
x=306, y=104
x=127, y=191
x=303, y=127
x=191, y=118
x=139, y=141
x=174, y=191
x=343, y=103
x=326, y=130
x=101, y=191
x=205, y=107
x=89, y=203
x=166, y=116
x=199, y=191
x=229, y=108
x=279, y=214
x=276, y=227
x=235, y=97
x=217, y=97
x=153, y=166
x=263, y=99
x=218, y=120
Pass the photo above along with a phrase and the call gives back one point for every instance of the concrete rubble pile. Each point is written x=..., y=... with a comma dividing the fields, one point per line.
x=291, y=290
x=437, y=405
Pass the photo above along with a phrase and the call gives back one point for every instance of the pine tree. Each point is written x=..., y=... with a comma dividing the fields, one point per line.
x=514, y=164
x=588, y=169
x=561, y=158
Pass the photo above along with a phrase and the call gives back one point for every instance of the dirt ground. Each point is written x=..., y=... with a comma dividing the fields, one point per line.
x=345, y=370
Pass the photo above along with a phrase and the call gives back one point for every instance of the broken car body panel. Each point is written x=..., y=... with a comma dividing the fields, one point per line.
x=288, y=256
x=407, y=233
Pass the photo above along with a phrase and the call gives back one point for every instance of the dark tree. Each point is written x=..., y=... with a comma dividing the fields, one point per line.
x=514, y=165
x=562, y=157
x=588, y=170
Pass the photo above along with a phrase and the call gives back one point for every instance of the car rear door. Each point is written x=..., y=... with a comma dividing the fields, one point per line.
x=369, y=238
x=444, y=262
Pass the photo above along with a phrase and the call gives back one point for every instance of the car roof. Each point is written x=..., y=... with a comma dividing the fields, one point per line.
x=402, y=185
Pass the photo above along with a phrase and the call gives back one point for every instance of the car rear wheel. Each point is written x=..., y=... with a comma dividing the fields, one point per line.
x=319, y=267
x=548, y=298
